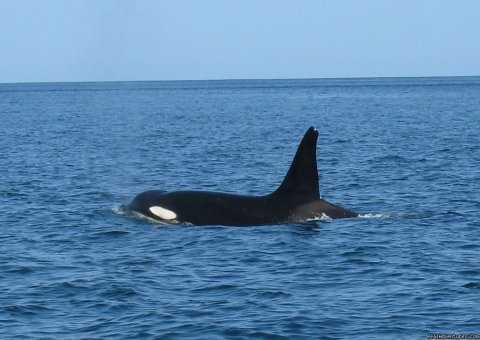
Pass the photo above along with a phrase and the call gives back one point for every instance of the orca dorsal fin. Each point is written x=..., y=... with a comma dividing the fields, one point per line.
x=302, y=177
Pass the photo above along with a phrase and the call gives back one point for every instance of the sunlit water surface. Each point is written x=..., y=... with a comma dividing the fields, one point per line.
x=74, y=263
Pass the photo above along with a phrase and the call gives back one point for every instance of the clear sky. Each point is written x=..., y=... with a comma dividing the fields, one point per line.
x=96, y=40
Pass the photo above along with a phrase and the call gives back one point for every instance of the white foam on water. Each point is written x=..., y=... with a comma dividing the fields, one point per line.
x=322, y=217
x=121, y=210
x=383, y=215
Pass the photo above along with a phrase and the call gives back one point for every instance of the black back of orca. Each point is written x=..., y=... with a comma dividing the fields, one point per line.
x=297, y=199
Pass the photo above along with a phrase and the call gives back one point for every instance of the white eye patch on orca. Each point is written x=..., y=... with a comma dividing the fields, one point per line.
x=163, y=213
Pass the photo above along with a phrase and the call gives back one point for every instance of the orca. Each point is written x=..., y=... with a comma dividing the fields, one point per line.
x=297, y=199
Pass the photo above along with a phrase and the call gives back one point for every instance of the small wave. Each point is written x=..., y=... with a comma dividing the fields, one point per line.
x=472, y=285
x=271, y=295
x=21, y=270
x=119, y=292
x=326, y=218
x=323, y=217
x=371, y=215
x=122, y=210
x=113, y=233
x=216, y=288
x=26, y=309
x=382, y=215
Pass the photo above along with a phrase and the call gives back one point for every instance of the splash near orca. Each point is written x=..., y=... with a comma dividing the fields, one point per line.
x=297, y=199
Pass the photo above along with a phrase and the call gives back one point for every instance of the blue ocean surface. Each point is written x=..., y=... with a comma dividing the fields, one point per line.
x=402, y=152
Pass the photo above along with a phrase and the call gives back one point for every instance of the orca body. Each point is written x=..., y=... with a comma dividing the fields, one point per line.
x=296, y=200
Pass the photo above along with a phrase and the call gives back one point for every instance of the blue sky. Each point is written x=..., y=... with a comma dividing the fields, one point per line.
x=108, y=40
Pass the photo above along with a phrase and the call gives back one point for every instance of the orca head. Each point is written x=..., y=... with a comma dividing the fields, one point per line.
x=151, y=204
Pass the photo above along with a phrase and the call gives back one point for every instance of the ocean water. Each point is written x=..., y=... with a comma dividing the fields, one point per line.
x=402, y=152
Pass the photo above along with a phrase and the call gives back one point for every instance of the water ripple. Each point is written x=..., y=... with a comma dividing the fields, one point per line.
x=71, y=266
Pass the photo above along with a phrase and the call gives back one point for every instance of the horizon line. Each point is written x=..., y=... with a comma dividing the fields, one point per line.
x=235, y=79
